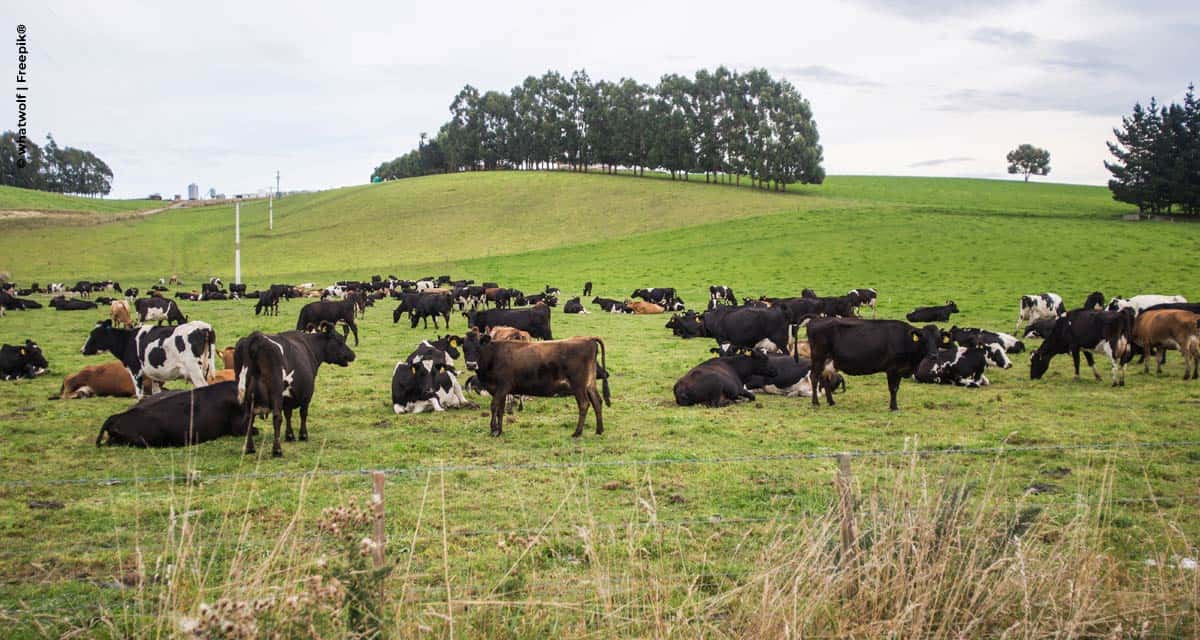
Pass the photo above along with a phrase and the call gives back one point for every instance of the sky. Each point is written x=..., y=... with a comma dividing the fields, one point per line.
x=226, y=94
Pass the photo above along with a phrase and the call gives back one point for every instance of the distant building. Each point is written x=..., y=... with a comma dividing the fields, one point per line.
x=193, y=191
x=156, y=196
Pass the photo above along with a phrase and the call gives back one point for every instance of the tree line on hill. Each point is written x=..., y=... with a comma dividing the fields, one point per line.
x=723, y=124
x=1157, y=151
x=51, y=167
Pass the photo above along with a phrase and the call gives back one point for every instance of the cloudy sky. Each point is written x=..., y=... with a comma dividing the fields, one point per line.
x=225, y=94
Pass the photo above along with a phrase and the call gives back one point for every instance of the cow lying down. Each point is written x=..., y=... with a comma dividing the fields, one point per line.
x=427, y=379
x=178, y=418
x=790, y=378
x=721, y=381
x=962, y=366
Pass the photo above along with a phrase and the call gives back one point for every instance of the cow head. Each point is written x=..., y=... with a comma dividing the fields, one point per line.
x=995, y=354
x=928, y=339
x=953, y=308
x=1118, y=303
x=449, y=344
x=104, y=338
x=334, y=349
x=473, y=345
x=33, y=361
x=1039, y=362
x=677, y=305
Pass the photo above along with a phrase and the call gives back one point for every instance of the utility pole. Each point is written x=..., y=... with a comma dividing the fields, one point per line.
x=271, y=212
x=277, y=182
x=237, y=243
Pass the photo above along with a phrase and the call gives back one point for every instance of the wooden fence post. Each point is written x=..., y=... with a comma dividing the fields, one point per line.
x=377, y=480
x=845, y=489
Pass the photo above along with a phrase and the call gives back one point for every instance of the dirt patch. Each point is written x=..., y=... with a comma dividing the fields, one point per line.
x=80, y=216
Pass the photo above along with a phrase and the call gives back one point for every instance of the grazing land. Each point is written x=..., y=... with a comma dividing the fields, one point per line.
x=671, y=522
x=14, y=199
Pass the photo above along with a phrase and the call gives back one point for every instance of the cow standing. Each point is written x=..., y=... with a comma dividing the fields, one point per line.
x=1104, y=332
x=862, y=347
x=160, y=354
x=1039, y=306
x=155, y=309
x=330, y=312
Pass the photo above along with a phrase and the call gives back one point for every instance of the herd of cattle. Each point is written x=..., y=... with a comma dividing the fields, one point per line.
x=510, y=352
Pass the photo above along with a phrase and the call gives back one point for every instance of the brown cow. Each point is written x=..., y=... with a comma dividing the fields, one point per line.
x=801, y=348
x=109, y=379
x=644, y=308
x=222, y=375
x=119, y=312
x=227, y=357
x=544, y=369
x=1170, y=329
x=509, y=333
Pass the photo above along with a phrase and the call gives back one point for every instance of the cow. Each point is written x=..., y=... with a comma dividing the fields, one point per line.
x=435, y=385
x=67, y=304
x=1143, y=302
x=574, y=306
x=550, y=299
x=939, y=313
x=644, y=308
x=1169, y=329
x=413, y=388
x=686, y=325
x=608, y=305
x=1040, y=328
x=1039, y=306
x=499, y=297
x=237, y=291
x=587, y=288
x=859, y=347
x=1105, y=332
x=313, y=314
x=268, y=302
x=178, y=418
x=542, y=369
x=963, y=366
x=13, y=303
x=790, y=378
x=509, y=333
x=970, y=336
x=110, y=379
x=721, y=381
x=749, y=328
x=157, y=310
x=160, y=354
x=120, y=314
x=227, y=355
x=22, y=361
x=535, y=320
x=431, y=305
x=279, y=372
x=720, y=294
x=132, y=293
x=664, y=296
x=1094, y=301
x=866, y=296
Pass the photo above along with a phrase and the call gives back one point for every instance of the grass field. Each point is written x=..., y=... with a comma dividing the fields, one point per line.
x=14, y=199
x=664, y=524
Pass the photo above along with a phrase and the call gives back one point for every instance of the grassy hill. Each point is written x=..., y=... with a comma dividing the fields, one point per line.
x=540, y=546
x=14, y=199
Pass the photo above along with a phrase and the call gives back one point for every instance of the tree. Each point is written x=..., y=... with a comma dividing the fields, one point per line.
x=1029, y=160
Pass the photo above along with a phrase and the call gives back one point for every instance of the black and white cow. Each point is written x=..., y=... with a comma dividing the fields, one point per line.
x=161, y=354
x=608, y=305
x=178, y=418
x=970, y=336
x=22, y=361
x=719, y=294
x=155, y=309
x=662, y=296
x=866, y=297
x=749, y=328
x=132, y=293
x=940, y=313
x=574, y=306
x=963, y=366
x=790, y=378
x=1039, y=306
x=278, y=372
x=1143, y=302
x=427, y=379
x=1104, y=332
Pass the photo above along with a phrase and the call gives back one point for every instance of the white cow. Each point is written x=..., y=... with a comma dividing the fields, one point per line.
x=1039, y=306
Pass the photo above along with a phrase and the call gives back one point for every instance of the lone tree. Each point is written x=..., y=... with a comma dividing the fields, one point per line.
x=1029, y=160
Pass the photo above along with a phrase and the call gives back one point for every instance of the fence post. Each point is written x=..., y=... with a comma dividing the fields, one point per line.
x=377, y=480
x=845, y=489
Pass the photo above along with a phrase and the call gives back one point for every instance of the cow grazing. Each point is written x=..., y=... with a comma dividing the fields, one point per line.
x=587, y=288
x=22, y=361
x=159, y=354
x=1143, y=302
x=542, y=369
x=1094, y=301
x=120, y=314
x=431, y=305
x=608, y=305
x=720, y=294
x=686, y=325
x=861, y=347
x=970, y=336
x=1104, y=332
x=719, y=382
x=644, y=308
x=749, y=328
x=535, y=320
x=330, y=312
x=268, y=302
x=110, y=379
x=157, y=310
x=178, y=418
x=278, y=372
x=963, y=366
x=1039, y=306
x=865, y=297
x=574, y=306
x=1170, y=329
x=939, y=313
x=68, y=304
x=790, y=378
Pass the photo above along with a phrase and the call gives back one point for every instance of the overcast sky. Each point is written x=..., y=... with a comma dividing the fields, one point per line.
x=225, y=94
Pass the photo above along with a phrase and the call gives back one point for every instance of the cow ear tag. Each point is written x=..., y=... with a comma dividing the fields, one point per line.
x=454, y=342
x=944, y=338
x=22, y=350
x=916, y=338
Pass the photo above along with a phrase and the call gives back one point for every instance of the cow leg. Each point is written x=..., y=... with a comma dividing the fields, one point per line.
x=354, y=328
x=893, y=379
x=276, y=420
x=498, y=402
x=289, y=435
x=594, y=396
x=814, y=382
x=581, y=400
x=1162, y=359
x=1091, y=360
x=249, y=447
x=304, y=422
x=1075, y=358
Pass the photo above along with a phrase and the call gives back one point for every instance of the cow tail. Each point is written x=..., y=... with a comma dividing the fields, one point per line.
x=604, y=366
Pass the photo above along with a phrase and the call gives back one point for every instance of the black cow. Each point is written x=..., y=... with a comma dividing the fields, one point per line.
x=688, y=325
x=1105, y=332
x=587, y=288
x=549, y=299
x=331, y=312
x=12, y=303
x=963, y=366
x=574, y=306
x=178, y=418
x=431, y=305
x=933, y=314
x=159, y=309
x=1040, y=328
x=268, y=302
x=535, y=320
x=22, y=361
x=749, y=328
x=1094, y=301
x=721, y=381
x=861, y=347
x=237, y=291
x=663, y=296
x=790, y=378
x=69, y=304
x=608, y=305
x=279, y=373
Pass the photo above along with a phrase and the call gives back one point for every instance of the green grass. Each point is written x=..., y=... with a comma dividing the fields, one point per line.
x=915, y=241
x=15, y=199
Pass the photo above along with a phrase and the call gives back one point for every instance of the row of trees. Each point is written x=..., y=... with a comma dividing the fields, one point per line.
x=1157, y=165
x=723, y=124
x=51, y=167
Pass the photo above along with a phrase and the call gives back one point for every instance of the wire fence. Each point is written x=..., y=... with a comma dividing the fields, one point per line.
x=1001, y=450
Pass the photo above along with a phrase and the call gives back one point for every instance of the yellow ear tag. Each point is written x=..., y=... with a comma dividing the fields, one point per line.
x=945, y=338
x=22, y=350
x=454, y=342
x=916, y=338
